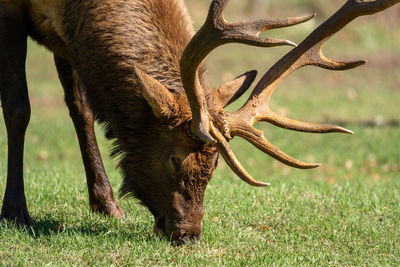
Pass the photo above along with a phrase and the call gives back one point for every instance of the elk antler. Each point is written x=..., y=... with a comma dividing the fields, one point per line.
x=216, y=32
x=309, y=52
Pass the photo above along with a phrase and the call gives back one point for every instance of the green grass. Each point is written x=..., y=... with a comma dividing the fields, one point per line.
x=347, y=212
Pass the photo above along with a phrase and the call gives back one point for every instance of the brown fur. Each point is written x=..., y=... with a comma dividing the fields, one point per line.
x=103, y=41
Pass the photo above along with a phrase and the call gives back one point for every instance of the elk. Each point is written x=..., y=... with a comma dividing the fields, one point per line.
x=137, y=66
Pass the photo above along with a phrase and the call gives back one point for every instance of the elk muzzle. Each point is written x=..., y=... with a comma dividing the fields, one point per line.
x=182, y=222
x=177, y=231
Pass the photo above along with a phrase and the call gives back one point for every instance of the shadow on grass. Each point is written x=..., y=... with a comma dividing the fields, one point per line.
x=49, y=226
x=44, y=227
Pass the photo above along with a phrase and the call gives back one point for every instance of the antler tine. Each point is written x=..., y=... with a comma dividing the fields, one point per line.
x=230, y=158
x=300, y=126
x=257, y=138
x=216, y=32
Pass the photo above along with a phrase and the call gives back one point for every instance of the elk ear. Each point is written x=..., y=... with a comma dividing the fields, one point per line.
x=159, y=98
x=231, y=91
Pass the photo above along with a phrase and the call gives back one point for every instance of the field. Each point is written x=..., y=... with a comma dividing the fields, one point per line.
x=346, y=212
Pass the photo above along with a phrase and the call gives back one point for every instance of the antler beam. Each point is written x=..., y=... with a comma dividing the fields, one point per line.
x=216, y=32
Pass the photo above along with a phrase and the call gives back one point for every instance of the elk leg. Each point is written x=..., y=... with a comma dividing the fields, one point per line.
x=16, y=111
x=101, y=197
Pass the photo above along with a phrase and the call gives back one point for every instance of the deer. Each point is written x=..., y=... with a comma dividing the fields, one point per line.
x=137, y=67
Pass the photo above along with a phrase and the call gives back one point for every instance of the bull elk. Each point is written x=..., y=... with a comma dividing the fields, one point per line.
x=137, y=66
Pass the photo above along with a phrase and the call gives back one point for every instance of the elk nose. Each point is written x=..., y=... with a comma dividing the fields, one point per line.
x=185, y=239
x=184, y=234
x=182, y=237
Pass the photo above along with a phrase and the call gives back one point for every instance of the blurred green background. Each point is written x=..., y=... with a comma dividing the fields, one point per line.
x=344, y=213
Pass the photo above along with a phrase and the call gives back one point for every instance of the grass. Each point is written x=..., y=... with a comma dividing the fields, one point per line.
x=346, y=212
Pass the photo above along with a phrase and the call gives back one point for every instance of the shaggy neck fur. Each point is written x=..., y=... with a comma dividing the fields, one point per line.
x=106, y=39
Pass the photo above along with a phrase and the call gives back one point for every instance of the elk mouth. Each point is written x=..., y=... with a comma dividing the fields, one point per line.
x=178, y=233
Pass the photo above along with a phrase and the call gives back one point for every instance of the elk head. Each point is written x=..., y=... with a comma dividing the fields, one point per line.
x=194, y=127
x=171, y=169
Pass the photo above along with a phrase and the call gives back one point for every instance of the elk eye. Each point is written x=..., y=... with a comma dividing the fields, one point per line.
x=175, y=163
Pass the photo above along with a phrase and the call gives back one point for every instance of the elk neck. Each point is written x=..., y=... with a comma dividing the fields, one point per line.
x=103, y=40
